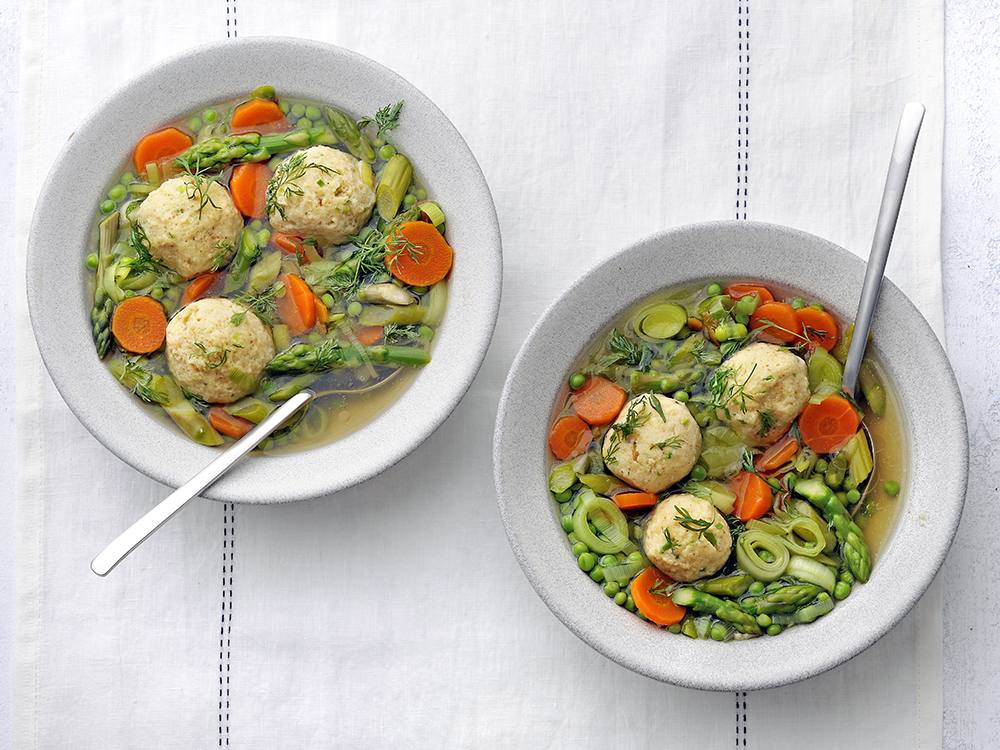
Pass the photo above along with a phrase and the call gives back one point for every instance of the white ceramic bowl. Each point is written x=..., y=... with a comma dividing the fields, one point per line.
x=933, y=425
x=66, y=211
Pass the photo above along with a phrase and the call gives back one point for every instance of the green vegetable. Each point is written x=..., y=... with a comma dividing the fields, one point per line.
x=263, y=92
x=264, y=272
x=662, y=321
x=350, y=134
x=891, y=488
x=247, y=251
x=783, y=598
x=841, y=590
x=592, y=508
x=725, y=610
x=603, y=484
x=381, y=315
x=100, y=313
x=715, y=492
x=824, y=371
x=860, y=462
x=802, y=534
x=218, y=152
x=836, y=470
x=733, y=586
x=433, y=212
x=852, y=540
x=576, y=381
x=808, y=570
x=721, y=452
x=814, y=611
x=871, y=387
x=250, y=408
x=407, y=356
x=713, y=290
x=392, y=186
x=293, y=386
x=749, y=548
x=745, y=307
x=586, y=561
x=435, y=303
x=561, y=477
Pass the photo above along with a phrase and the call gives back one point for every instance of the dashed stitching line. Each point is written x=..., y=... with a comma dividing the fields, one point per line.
x=231, y=30
x=742, y=191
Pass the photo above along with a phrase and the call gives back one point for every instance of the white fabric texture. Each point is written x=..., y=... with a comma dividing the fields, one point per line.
x=393, y=614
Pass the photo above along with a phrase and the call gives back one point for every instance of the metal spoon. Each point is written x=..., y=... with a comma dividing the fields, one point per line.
x=892, y=197
x=142, y=529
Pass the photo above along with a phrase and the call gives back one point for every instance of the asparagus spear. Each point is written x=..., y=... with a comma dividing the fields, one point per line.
x=332, y=354
x=392, y=186
x=249, y=147
x=734, y=585
x=246, y=253
x=786, y=598
x=721, y=608
x=852, y=541
x=293, y=386
x=350, y=135
x=100, y=313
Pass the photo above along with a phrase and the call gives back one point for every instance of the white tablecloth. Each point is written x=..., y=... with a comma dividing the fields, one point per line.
x=393, y=614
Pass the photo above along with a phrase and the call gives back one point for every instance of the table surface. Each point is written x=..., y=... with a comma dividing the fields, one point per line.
x=971, y=262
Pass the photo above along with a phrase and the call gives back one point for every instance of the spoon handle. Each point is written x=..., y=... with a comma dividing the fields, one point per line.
x=141, y=530
x=892, y=197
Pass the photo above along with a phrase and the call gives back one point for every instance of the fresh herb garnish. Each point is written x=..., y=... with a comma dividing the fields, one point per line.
x=669, y=445
x=224, y=249
x=143, y=379
x=397, y=334
x=628, y=352
x=263, y=304
x=698, y=525
x=767, y=422
x=635, y=417
x=213, y=358
x=284, y=182
x=668, y=544
x=198, y=188
x=386, y=119
x=725, y=390
x=143, y=259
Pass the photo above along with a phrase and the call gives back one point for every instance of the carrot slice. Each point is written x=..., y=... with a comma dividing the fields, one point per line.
x=828, y=425
x=198, y=287
x=598, y=401
x=742, y=290
x=635, y=500
x=418, y=254
x=296, y=307
x=228, y=424
x=368, y=335
x=569, y=437
x=778, y=321
x=818, y=326
x=651, y=599
x=695, y=324
x=263, y=115
x=139, y=325
x=247, y=185
x=778, y=454
x=322, y=314
x=159, y=145
x=753, y=496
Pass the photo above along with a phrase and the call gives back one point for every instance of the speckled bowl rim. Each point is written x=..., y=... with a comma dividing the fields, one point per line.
x=67, y=206
x=917, y=368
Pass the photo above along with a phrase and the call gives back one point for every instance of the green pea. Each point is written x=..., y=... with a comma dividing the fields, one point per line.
x=284, y=106
x=682, y=396
x=621, y=598
x=586, y=561
x=634, y=557
x=127, y=179
x=263, y=92
x=718, y=632
x=577, y=380
x=611, y=588
x=194, y=124
x=387, y=151
x=739, y=331
x=821, y=466
x=756, y=588
x=763, y=620
x=773, y=629
x=849, y=484
x=256, y=225
x=420, y=193
x=117, y=192
x=580, y=548
x=567, y=523
x=92, y=261
x=847, y=577
x=129, y=293
x=798, y=303
x=853, y=496
x=426, y=333
x=157, y=292
x=303, y=123
x=817, y=306
x=891, y=488
x=841, y=591
x=629, y=604
x=713, y=290
x=210, y=115
x=298, y=110
x=564, y=496
x=327, y=299
x=107, y=207
x=312, y=112
x=823, y=597
x=675, y=628
x=409, y=200
x=698, y=473
x=597, y=574
x=607, y=560
x=354, y=309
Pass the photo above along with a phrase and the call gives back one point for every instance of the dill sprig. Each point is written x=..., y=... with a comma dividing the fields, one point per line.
x=385, y=120
x=724, y=390
x=398, y=334
x=635, y=417
x=284, y=182
x=700, y=526
x=224, y=249
x=198, y=187
x=669, y=445
x=767, y=422
x=143, y=379
x=139, y=243
x=263, y=304
x=628, y=351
